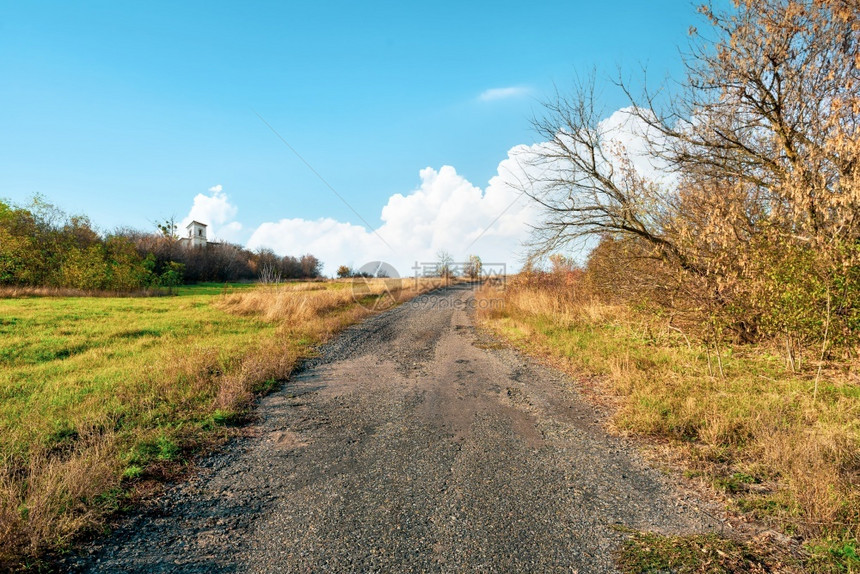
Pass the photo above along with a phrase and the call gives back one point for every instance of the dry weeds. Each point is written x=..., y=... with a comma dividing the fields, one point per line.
x=47, y=500
x=12, y=292
x=784, y=455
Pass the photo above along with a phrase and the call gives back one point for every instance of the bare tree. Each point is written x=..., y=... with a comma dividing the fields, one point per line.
x=586, y=182
x=770, y=107
x=269, y=274
x=444, y=261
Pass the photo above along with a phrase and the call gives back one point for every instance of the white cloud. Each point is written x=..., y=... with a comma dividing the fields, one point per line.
x=503, y=93
x=232, y=232
x=445, y=212
x=632, y=133
x=216, y=211
x=333, y=242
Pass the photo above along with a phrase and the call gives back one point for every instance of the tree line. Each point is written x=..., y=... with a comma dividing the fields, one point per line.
x=42, y=246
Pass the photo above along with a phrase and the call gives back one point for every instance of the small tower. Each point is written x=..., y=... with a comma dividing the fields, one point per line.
x=196, y=234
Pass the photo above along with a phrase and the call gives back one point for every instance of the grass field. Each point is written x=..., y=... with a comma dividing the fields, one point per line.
x=101, y=396
x=779, y=447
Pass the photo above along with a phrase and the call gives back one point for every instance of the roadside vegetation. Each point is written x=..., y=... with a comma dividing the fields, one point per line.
x=101, y=398
x=720, y=306
x=780, y=446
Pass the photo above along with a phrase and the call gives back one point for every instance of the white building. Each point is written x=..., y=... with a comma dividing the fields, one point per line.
x=196, y=234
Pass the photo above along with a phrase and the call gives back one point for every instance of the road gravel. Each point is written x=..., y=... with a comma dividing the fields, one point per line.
x=412, y=444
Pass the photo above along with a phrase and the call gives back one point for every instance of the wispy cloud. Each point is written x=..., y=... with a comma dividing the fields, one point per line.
x=504, y=93
x=445, y=212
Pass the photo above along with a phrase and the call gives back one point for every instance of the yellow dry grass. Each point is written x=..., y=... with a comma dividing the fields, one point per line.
x=299, y=303
x=59, y=499
x=780, y=451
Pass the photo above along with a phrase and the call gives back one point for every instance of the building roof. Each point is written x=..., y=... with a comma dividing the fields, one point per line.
x=193, y=222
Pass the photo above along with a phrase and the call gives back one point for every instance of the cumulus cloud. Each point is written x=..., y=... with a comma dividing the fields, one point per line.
x=333, y=242
x=503, y=93
x=446, y=211
x=216, y=211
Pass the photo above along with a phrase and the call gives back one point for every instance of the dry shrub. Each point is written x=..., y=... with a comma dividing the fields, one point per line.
x=289, y=303
x=234, y=394
x=561, y=297
x=55, y=496
x=12, y=534
x=271, y=362
x=820, y=466
x=755, y=235
x=230, y=379
x=489, y=301
x=187, y=373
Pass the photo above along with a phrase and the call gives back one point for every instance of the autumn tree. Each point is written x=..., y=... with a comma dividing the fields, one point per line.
x=344, y=271
x=751, y=205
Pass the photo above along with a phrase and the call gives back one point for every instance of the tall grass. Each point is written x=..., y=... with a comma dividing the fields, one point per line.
x=102, y=397
x=777, y=449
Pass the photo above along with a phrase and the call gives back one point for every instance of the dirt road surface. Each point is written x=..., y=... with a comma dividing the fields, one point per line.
x=413, y=444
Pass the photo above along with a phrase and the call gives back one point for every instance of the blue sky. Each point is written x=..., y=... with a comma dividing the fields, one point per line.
x=127, y=111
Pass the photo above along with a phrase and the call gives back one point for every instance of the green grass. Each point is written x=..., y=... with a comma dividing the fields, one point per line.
x=101, y=395
x=66, y=363
x=213, y=288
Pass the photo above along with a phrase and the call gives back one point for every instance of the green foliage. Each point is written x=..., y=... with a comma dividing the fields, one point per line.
x=132, y=471
x=223, y=417
x=172, y=275
x=40, y=246
x=735, y=482
x=835, y=555
x=168, y=228
x=167, y=449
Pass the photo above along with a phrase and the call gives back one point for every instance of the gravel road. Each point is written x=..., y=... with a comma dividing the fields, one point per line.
x=413, y=444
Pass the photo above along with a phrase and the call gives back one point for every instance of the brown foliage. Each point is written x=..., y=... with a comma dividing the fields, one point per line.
x=757, y=233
